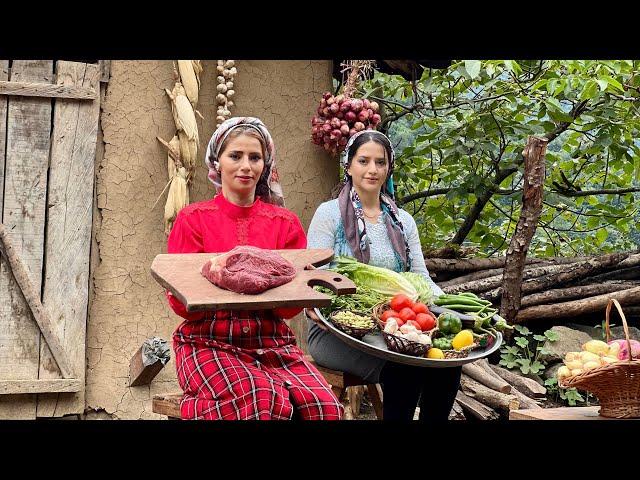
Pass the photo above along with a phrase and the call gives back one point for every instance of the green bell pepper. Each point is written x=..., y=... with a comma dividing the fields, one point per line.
x=449, y=323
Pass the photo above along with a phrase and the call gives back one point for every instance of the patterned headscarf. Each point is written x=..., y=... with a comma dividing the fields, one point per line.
x=353, y=216
x=269, y=177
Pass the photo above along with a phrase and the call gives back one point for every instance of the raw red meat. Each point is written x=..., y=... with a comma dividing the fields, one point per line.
x=248, y=270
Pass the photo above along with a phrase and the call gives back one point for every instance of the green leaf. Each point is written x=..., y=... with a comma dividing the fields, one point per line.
x=540, y=338
x=522, y=342
x=615, y=84
x=522, y=329
x=551, y=335
x=537, y=367
x=602, y=83
x=472, y=67
x=590, y=90
x=601, y=236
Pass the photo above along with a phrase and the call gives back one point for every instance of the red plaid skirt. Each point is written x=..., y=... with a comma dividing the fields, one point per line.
x=245, y=365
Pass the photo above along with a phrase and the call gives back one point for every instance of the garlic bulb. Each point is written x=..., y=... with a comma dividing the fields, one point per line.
x=226, y=72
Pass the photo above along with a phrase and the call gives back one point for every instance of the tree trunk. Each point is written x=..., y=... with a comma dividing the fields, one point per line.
x=578, y=307
x=466, y=265
x=475, y=408
x=492, y=381
x=470, y=277
x=564, y=294
x=526, y=385
x=574, y=271
x=487, y=396
x=525, y=402
x=631, y=273
x=534, y=169
x=462, y=266
x=495, y=281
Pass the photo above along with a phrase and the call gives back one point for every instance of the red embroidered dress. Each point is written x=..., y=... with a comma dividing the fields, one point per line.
x=243, y=364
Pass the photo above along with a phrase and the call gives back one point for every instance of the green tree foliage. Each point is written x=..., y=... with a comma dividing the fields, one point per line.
x=460, y=133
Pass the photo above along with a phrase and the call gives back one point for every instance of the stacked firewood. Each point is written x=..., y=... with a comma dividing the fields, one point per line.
x=552, y=288
x=490, y=392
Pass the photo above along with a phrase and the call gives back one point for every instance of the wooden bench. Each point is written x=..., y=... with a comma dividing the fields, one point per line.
x=169, y=405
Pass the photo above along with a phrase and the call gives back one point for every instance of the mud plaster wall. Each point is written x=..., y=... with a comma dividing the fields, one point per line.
x=127, y=305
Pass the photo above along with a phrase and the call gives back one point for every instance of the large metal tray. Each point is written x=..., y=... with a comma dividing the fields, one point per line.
x=374, y=344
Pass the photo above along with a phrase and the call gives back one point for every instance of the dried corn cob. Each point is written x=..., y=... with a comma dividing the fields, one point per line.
x=189, y=80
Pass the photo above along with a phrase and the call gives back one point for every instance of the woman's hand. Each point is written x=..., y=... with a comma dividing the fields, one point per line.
x=310, y=313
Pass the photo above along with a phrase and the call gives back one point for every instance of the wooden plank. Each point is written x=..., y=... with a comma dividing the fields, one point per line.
x=31, y=89
x=105, y=70
x=167, y=405
x=562, y=413
x=69, y=220
x=32, y=299
x=27, y=159
x=180, y=274
x=4, y=75
x=40, y=386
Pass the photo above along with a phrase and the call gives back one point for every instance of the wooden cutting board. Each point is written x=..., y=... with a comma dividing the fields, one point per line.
x=180, y=274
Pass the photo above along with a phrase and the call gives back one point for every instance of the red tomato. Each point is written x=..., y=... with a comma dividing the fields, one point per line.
x=407, y=314
x=388, y=313
x=400, y=301
x=415, y=324
x=426, y=321
x=420, y=308
x=398, y=320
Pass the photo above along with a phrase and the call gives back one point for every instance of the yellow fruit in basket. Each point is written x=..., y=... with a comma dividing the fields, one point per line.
x=576, y=371
x=590, y=365
x=463, y=339
x=435, y=353
x=614, y=349
x=596, y=346
x=572, y=365
x=563, y=372
x=571, y=356
x=589, y=357
x=607, y=360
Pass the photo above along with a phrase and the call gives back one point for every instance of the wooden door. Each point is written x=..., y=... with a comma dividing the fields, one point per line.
x=49, y=114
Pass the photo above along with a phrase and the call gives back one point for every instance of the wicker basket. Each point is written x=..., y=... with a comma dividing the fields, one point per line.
x=399, y=344
x=402, y=345
x=616, y=385
x=354, y=332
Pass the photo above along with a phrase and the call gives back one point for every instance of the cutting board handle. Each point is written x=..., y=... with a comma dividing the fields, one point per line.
x=337, y=283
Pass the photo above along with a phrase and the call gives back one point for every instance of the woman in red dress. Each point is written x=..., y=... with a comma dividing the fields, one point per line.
x=243, y=365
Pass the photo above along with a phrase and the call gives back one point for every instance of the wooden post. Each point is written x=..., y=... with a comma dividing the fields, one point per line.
x=534, y=172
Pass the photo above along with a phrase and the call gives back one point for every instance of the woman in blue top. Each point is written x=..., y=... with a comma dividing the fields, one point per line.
x=365, y=223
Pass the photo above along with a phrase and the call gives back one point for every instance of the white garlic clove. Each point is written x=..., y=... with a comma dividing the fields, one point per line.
x=229, y=64
x=220, y=63
x=220, y=98
x=231, y=93
x=220, y=119
x=221, y=79
x=230, y=102
x=225, y=73
x=229, y=85
x=233, y=70
x=221, y=88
